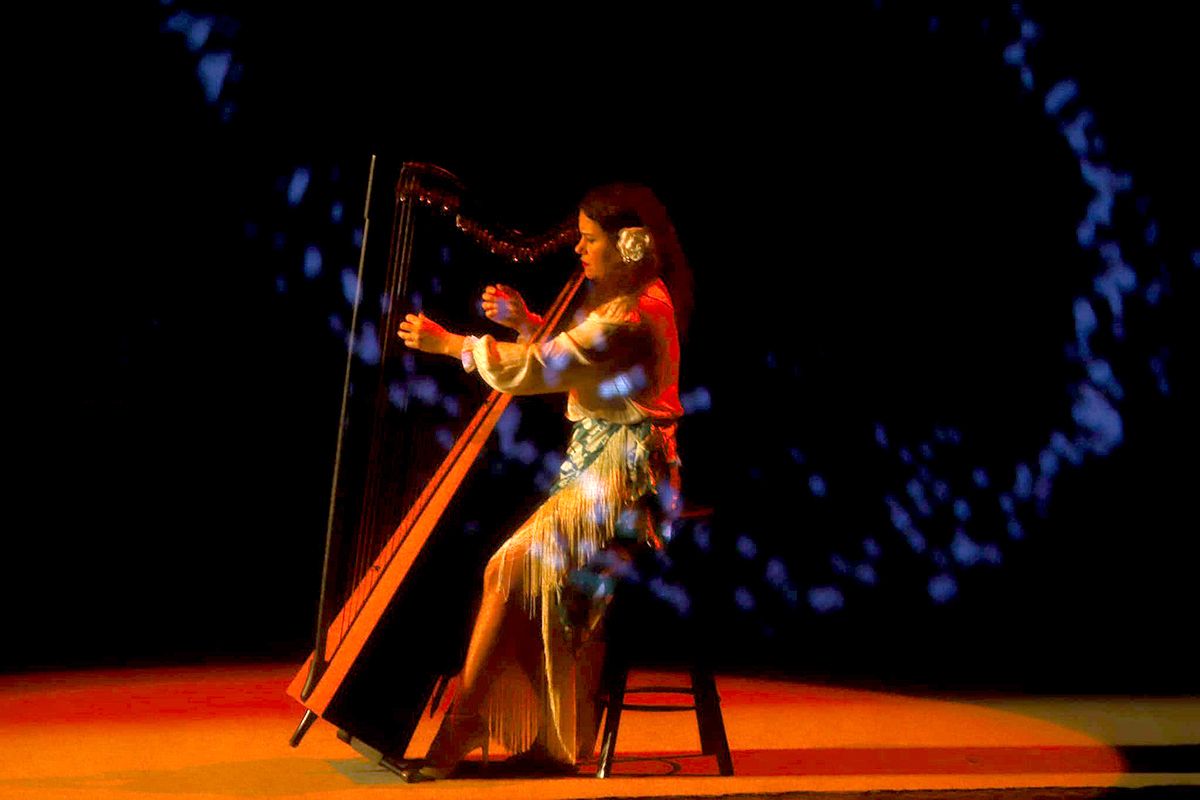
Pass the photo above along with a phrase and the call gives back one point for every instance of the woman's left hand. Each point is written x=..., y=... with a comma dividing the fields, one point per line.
x=421, y=333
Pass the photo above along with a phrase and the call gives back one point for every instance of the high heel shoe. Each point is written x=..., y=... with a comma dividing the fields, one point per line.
x=458, y=735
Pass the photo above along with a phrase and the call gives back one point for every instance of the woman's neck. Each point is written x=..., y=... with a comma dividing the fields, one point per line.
x=628, y=284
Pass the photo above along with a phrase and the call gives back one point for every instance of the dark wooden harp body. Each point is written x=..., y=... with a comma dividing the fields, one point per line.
x=410, y=523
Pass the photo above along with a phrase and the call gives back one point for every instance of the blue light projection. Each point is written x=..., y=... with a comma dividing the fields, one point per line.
x=523, y=451
x=744, y=599
x=942, y=588
x=1015, y=529
x=951, y=435
x=900, y=517
x=210, y=38
x=350, y=285
x=1066, y=448
x=1158, y=367
x=673, y=595
x=366, y=346
x=1085, y=325
x=1015, y=53
x=965, y=551
x=312, y=261
x=195, y=29
x=397, y=395
x=1059, y=96
x=423, y=388
x=777, y=573
x=916, y=493
x=624, y=384
x=746, y=546
x=551, y=463
x=1100, y=374
x=1023, y=487
x=297, y=186
x=213, y=69
x=824, y=599
x=960, y=499
x=696, y=400
x=1154, y=292
x=1099, y=422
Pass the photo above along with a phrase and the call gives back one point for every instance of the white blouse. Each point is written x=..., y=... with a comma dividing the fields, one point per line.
x=620, y=363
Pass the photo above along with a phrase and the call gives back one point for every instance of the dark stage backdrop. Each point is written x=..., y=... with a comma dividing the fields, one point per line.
x=941, y=378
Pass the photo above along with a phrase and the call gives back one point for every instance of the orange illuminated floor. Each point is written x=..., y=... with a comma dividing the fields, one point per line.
x=221, y=732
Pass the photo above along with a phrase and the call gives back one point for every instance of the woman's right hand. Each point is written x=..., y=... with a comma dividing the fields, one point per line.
x=505, y=306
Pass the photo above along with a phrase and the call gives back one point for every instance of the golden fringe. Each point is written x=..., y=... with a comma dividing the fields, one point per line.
x=566, y=531
x=560, y=712
x=513, y=710
x=579, y=520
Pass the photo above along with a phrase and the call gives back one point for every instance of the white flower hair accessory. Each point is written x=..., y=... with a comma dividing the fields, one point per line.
x=632, y=243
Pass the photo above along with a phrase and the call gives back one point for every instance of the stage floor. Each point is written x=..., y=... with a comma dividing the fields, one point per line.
x=222, y=732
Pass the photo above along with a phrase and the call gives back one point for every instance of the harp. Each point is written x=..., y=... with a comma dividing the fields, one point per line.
x=414, y=478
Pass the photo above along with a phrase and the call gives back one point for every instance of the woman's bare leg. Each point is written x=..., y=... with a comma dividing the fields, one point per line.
x=502, y=624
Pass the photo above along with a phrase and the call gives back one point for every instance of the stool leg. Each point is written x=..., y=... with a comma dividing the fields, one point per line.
x=612, y=719
x=709, y=719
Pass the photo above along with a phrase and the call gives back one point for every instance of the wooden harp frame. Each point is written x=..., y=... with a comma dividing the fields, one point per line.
x=347, y=630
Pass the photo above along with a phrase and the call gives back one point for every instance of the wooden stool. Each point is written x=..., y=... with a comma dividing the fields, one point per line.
x=628, y=604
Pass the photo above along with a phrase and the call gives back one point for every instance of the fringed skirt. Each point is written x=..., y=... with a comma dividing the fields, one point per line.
x=618, y=488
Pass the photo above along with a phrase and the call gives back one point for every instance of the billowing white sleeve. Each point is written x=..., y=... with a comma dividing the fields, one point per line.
x=583, y=355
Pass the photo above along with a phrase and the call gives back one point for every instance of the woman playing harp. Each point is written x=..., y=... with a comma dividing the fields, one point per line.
x=533, y=663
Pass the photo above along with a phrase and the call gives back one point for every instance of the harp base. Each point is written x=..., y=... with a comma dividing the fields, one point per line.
x=365, y=750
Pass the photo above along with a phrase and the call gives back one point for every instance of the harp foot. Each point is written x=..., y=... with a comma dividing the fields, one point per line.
x=310, y=717
x=401, y=766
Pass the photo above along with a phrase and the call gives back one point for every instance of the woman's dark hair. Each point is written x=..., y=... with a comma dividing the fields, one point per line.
x=629, y=205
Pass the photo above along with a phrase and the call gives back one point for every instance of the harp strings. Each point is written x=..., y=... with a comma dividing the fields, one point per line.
x=398, y=453
x=391, y=445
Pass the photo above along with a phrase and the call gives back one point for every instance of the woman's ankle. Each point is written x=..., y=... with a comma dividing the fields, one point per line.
x=458, y=736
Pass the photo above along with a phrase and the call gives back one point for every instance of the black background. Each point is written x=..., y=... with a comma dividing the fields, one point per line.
x=882, y=225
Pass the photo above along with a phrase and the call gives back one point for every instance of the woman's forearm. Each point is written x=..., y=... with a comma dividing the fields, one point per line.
x=529, y=328
x=452, y=345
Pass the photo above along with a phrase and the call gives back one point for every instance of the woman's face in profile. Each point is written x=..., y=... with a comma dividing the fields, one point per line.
x=598, y=251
